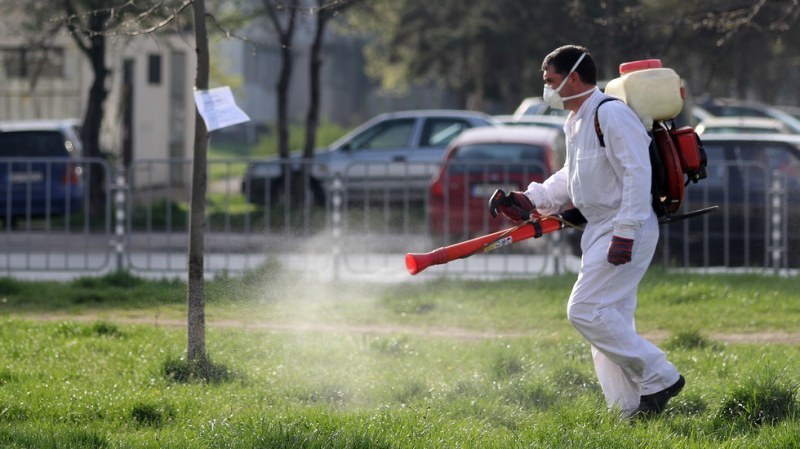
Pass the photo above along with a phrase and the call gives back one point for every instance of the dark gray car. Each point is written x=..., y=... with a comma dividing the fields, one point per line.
x=394, y=154
x=755, y=181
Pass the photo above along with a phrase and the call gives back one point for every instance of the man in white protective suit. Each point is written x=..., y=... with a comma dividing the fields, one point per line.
x=610, y=185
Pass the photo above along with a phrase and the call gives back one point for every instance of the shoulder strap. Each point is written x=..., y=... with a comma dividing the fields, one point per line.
x=597, y=121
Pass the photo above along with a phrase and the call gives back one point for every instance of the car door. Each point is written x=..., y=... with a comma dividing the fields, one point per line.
x=376, y=156
x=425, y=158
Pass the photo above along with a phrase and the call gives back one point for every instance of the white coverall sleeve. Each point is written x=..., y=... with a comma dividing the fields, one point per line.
x=627, y=148
x=552, y=194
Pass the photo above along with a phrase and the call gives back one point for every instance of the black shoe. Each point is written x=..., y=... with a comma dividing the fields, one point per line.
x=653, y=404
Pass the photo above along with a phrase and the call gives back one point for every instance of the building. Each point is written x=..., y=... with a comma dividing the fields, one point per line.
x=148, y=114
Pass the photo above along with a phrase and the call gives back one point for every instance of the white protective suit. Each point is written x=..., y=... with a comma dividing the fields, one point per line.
x=611, y=187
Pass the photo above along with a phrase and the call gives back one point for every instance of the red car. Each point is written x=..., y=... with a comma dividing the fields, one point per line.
x=479, y=161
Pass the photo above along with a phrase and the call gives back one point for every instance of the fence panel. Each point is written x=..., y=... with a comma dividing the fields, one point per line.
x=55, y=215
x=750, y=230
x=343, y=228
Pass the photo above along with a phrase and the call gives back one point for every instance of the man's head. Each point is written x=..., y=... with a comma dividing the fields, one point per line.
x=569, y=76
x=562, y=59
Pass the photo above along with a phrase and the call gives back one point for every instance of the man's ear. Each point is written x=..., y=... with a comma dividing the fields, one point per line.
x=574, y=77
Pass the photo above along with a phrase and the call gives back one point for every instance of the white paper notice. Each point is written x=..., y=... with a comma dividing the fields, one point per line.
x=218, y=108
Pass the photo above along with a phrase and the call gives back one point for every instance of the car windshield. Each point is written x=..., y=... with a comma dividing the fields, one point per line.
x=511, y=157
x=32, y=144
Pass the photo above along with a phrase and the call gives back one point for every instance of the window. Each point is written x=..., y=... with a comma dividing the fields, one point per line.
x=438, y=132
x=25, y=62
x=500, y=157
x=389, y=134
x=33, y=144
x=154, y=69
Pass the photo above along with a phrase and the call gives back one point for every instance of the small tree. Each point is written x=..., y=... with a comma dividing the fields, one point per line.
x=325, y=10
x=88, y=21
x=196, y=342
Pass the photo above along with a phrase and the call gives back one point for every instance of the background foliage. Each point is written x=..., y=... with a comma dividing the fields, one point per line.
x=745, y=49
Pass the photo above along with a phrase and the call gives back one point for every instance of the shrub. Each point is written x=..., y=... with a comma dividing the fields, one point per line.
x=104, y=328
x=184, y=371
x=690, y=339
x=758, y=402
x=151, y=414
x=10, y=286
x=121, y=278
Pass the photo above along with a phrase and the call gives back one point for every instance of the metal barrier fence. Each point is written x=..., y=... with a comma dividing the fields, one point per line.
x=55, y=215
x=343, y=227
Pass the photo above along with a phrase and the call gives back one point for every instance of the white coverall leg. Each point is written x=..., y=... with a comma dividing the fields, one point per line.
x=601, y=308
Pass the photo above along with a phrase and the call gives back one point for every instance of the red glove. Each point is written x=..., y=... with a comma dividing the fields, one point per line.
x=619, y=250
x=517, y=207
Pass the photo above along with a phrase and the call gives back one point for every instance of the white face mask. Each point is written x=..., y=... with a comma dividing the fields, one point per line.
x=551, y=96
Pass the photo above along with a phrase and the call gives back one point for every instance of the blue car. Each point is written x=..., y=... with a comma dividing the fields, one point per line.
x=40, y=172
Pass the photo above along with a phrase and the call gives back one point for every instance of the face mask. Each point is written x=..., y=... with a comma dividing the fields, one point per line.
x=551, y=96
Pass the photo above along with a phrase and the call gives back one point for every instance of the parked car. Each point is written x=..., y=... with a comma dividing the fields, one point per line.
x=548, y=121
x=40, y=174
x=794, y=111
x=555, y=122
x=722, y=107
x=393, y=154
x=480, y=161
x=745, y=125
x=755, y=181
x=537, y=106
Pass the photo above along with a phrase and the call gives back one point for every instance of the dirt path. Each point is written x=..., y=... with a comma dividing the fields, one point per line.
x=771, y=337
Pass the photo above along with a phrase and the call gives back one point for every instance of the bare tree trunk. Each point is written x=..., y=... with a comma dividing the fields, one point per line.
x=324, y=13
x=299, y=181
x=476, y=98
x=196, y=343
x=282, y=87
x=91, y=41
x=285, y=35
x=315, y=67
x=90, y=131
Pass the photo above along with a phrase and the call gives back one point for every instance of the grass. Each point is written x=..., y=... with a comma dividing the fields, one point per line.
x=311, y=365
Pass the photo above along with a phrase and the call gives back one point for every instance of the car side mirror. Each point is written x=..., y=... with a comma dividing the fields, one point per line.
x=346, y=146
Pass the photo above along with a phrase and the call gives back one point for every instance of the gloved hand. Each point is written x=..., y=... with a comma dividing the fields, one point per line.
x=517, y=207
x=619, y=250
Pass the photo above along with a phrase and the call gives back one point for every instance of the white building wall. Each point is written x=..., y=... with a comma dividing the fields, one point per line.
x=163, y=108
x=163, y=120
x=43, y=97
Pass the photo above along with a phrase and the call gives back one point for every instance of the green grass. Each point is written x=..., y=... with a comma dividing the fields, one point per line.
x=93, y=363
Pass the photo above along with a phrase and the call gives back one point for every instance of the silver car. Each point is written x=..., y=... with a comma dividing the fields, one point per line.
x=392, y=155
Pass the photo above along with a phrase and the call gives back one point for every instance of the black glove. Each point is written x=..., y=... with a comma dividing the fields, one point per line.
x=619, y=250
x=516, y=206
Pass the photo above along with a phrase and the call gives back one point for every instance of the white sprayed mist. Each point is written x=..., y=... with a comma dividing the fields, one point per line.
x=324, y=303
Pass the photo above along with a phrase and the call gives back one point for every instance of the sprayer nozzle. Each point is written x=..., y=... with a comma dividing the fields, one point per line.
x=411, y=264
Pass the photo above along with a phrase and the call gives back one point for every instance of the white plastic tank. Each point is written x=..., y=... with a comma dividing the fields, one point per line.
x=652, y=91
